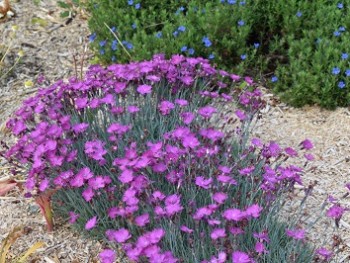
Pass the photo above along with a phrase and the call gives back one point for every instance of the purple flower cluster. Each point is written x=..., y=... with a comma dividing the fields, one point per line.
x=95, y=135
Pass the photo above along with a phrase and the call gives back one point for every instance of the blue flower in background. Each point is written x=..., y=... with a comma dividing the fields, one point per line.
x=344, y=56
x=222, y=1
x=184, y=49
x=159, y=34
x=243, y=57
x=347, y=72
x=103, y=43
x=130, y=2
x=114, y=45
x=182, y=8
x=102, y=51
x=191, y=51
x=114, y=58
x=299, y=14
x=175, y=33
x=336, y=33
x=231, y=2
x=137, y=6
x=92, y=37
x=211, y=56
x=113, y=29
x=127, y=44
x=342, y=29
x=335, y=71
x=242, y=3
x=340, y=5
x=274, y=79
x=256, y=45
x=240, y=23
x=206, y=41
x=181, y=28
x=341, y=84
x=134, y=26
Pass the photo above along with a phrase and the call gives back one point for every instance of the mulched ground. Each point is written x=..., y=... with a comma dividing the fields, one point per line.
x=49, y=46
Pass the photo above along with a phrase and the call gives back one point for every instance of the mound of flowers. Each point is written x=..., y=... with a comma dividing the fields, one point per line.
x=155, y=159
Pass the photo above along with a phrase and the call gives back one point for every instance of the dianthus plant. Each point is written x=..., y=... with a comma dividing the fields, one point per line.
x=138, y=158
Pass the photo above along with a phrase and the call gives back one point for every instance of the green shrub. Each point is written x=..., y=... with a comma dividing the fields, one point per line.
x=292, y=41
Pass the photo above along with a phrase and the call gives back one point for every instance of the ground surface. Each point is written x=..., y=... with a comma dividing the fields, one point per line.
x=49, y=47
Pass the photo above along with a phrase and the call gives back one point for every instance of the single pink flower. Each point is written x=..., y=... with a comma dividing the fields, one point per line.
x=336, y=212
x=144, y=89
x=240, y=257
x=142, y=220
x=91, y=223
x=233, y=214
x=73, y=217
x=307, y=144
x=218, y=233
x=186, y=229
x=297, y=234
x=107, y=256
x=324, y=253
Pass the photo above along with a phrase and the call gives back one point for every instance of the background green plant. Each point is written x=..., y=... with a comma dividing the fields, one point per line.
x=297, y=42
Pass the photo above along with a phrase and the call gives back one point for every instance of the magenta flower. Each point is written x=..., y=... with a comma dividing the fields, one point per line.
x=88, y=194
x=240, y=257
x=133, y=109
x=220, y=197
x=253, y=211
x=73, y=217
x=107, y=256
x=187, y=117
x=186, y=229
x=44, y=184
x=156, y=235
x=126, y=176
x=142, y=220
x=236, y=231
x=85, y=173
x=324, y=253
x=120, y=236
x=291, y=152
x=181, y=102
x=257, y=142
x=233, y=214
x=249, y=80
x=77, y=181
x=144, y=89
x=207, y=111
x=260, y=248
x=218, y=233
x=97, y=182
x=190, y=141
x=336, y=212
x=91, y=223
x=297, y=234
x=241, y=115
x=80, y=127
x=18, y=127
x=118, y=128
x=247, y=170
x=81, y=103
x=307, y=144
x=235, y=77
x=172, y=205
x=94, y=149
x=165, y=107
x=203, y=182
x=309, y=156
